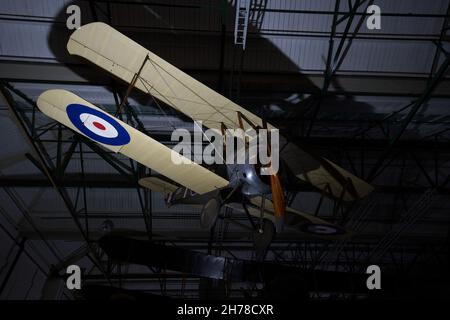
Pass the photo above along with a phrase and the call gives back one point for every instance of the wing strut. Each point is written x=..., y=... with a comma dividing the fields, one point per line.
x=131, y=86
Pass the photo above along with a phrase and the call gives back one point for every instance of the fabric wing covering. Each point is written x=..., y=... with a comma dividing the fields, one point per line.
x=141, y=148
x=127, y=60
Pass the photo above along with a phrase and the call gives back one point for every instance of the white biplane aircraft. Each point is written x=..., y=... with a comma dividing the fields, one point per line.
x=239, y=186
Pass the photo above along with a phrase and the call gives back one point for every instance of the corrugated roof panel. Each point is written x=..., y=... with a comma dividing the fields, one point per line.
x=278, y=53
x=324, y=5
x=204, y=17
x=403, y=26
x=282, y=22
x=413, y=6
x=29, y=39
x=397, y=57
x=42, y=8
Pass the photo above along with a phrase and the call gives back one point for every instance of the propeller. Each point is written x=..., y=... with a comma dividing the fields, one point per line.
x=279, y=203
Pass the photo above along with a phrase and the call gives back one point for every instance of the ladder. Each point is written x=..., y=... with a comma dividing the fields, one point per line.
x=241, y=22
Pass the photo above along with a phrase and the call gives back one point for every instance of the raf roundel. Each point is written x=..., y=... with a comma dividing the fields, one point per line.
x=98, y=126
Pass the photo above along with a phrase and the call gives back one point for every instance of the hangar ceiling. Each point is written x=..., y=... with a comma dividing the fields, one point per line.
x=373, y=101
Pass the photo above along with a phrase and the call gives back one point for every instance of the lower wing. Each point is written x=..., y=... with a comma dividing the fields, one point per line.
x=115, y=135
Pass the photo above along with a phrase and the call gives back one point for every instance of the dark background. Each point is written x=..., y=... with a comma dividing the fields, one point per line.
x=375, y=102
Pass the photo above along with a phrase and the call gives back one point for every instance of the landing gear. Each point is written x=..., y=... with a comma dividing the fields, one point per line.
x=262, y=240
x=260, y=226
x=261, y=214
x=210, y=210
x=209, y=213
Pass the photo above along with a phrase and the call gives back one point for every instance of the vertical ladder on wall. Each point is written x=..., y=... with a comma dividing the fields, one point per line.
x=248, y=12
x=241, y=22
x=240, y=38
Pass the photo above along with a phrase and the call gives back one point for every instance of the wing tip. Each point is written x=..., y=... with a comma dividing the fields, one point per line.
x=78, y=33
x=46, y=95
x=50, y=97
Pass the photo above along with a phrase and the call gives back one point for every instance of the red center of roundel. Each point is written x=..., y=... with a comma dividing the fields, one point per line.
x=98, y=125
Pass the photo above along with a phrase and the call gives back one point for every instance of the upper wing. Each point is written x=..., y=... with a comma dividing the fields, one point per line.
x=124, y=58
x=117, y=136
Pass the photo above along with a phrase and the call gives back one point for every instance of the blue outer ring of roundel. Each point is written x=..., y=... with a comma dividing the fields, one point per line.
x=74, y=110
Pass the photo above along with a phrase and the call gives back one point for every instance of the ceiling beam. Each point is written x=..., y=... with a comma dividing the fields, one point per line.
x=377, y=84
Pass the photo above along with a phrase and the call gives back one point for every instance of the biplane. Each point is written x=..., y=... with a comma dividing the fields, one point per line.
x=239, y=187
